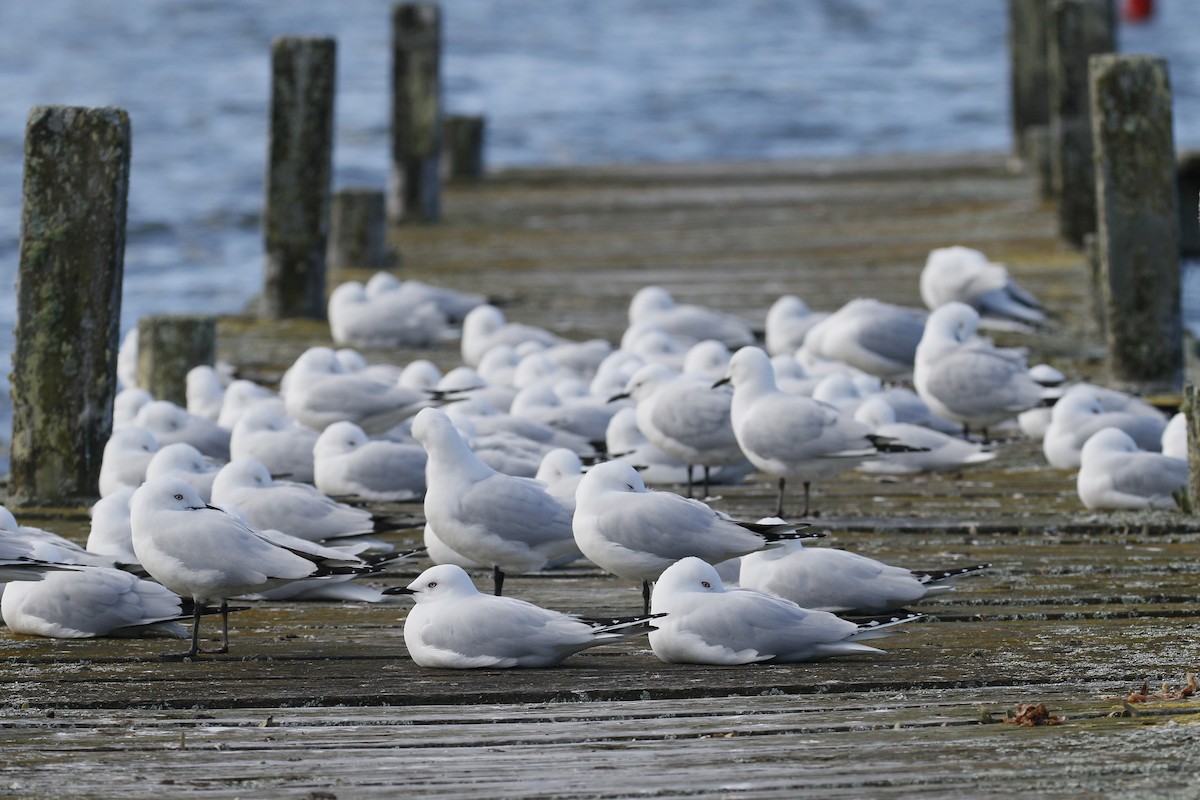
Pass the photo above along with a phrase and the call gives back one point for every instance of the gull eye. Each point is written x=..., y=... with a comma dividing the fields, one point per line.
x=178, y=497
x=432, y=584
x=706, y=584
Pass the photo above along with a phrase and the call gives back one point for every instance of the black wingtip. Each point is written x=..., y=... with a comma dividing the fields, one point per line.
x=398, y=590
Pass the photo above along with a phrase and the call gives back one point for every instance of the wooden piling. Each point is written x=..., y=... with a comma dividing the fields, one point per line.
x=414, y=188
x=1036, y=155
x=464, y=146
x=1078, y=30
x=168, y=346
x=1188, y=175
x=1138, y=220
x=358, y=230
x=1027, y=30
x=72, y=253
x=296, y=218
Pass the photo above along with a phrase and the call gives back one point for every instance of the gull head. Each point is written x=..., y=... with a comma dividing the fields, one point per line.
x=1108, y=440
x=442, y=582
x=179, y=457
x=338, y=439
x=243, y=472
x=689, y=574
x=648, y=301
x=165, y=493
x=608, y=477
x=952, y=322
x=750, y=366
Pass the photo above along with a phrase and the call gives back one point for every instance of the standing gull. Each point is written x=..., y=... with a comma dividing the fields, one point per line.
x=965, y=379
x=791, y=436
x=636, y=533
x=510, y=523
x=454, y=626
x=204, y=553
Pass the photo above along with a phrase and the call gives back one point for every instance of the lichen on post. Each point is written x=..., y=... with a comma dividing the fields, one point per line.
x=1138, y=220
x=168, y=346
x=414, y=187
x=72, y=252
x=300, y=163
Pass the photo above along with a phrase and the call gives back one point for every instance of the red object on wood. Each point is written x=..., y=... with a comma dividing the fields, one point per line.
x=1137, y=10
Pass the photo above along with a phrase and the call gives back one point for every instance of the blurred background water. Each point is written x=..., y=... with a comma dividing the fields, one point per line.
x=562, y=82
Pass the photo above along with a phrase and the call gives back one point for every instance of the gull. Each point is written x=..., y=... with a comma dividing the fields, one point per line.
x=126, y=455
x=510, y=523
x=485, y=326
x=110, y=533
x=791, y=436
x=26, y=542
x=127, y=404
x=585, y=417
x=205, y=392
x=706, y=623
x=839, y=581
x=875, y=337
x=347, y=463
x=486, y=420
x=1115, y=474
x=1079, y=413
x=473, y=388
x=388, y=319
x=707, y=359
x=687, y=416
x=561, y=470
x=963, y=275
x=453, y=303
x=788, y=321
x=209, y=555
x=454, y=626
x=692, y=323
x=172, y=423
x=966, y=380
x=282, y=444
x=240, y=396
x=319, y=393
x=635, y=533
x=297, y=509
x=420, y=373
x=19, y=559
x=90, y=602
x=1175, y=437
x=931, y=450
x=184, y=461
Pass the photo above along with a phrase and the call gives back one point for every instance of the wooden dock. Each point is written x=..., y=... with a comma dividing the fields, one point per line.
x=321, y=700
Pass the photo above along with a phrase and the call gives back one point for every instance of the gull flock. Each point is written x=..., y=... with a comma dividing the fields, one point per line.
x=538, y=451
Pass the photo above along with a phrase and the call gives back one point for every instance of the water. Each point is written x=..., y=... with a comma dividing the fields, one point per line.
x=567, y=82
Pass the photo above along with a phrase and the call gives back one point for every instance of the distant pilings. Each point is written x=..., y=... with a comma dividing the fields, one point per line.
x=358, y=230
x=464, y=136
x=414, y=185
x=72, y=250
x=1138, y=220
x=1077, y=30
x=1027, y=31
x=168, y=346
x=296, y=217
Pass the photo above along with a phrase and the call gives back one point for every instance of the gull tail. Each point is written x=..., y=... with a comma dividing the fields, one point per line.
x=878, y=627
x=936, y=576
x=888, y=444
x=780, y=531
x=623, y=626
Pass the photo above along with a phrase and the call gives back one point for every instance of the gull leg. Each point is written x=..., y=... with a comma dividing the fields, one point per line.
x=224, y=648
x=779, y=500
x=806, y=494
x=706, y=476
x=497, y=580
x=196, y=612
x=645, y=597
x=689, y=468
